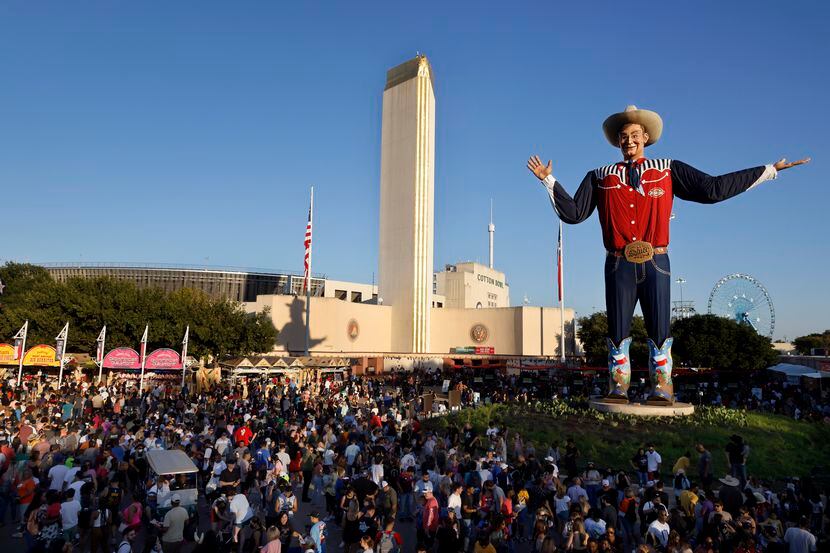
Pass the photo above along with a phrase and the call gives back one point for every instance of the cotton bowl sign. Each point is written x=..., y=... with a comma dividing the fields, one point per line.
x=164, y=358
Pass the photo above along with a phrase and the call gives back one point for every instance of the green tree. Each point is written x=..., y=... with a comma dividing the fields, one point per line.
x=217, y=327
x=593, y=331
x=720, y=343
x=804, y=344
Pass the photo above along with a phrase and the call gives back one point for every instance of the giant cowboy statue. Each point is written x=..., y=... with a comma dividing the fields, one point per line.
x=634, y=199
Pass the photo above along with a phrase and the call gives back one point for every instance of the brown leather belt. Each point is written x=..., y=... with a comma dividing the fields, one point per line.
x=621, y=253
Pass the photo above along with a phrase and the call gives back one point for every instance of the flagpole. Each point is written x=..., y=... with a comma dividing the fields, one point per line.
x=64, y=336
x=102, y=340
x=308, y=280
x=25, y=331
x=184, y=354
x=561, y=296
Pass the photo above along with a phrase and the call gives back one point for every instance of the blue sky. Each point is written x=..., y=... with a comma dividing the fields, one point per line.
x=189, y=132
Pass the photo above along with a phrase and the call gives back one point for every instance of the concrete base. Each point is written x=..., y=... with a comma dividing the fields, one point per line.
x=641, y=409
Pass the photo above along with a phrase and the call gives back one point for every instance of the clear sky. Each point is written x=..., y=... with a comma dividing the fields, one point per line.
x=189, y=132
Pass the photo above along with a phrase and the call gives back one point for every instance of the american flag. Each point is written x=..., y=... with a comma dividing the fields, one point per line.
x=559, y=277
x=307, y=243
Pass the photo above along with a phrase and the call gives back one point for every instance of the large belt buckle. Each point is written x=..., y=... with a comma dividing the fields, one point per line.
x=638, y=252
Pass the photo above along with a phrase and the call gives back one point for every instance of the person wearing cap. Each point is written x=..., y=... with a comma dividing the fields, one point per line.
x=388, y=501
x=430, y=519
x=730, y=494
x=172, y=526
x=634, y=201
x=317, y=533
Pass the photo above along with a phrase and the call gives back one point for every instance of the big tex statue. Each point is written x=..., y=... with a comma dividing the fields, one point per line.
x=634, y=200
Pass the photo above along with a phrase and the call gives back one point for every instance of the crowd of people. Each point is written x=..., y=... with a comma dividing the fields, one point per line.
x=352, y=467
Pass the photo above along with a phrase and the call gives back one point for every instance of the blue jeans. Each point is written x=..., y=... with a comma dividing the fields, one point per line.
x=650, y=283
x=406, y=504
x=739, y=472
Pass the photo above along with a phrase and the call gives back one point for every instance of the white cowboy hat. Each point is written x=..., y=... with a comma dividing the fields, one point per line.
x=650, y=121
x=730, y=481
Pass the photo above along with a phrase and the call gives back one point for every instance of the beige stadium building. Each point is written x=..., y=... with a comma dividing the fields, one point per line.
x=415, y=312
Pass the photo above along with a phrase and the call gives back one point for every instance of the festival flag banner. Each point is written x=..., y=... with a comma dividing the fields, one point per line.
x=184, y=353
x=20, y=340
x=144, y=342
x=100, y=342
x=60, y=343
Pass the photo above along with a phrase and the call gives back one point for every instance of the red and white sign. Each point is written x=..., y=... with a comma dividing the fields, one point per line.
x=163, y=358
x=122, y=358
x=485, y=350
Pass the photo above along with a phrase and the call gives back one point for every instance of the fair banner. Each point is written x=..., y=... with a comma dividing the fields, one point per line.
x=7, y=355
x=41, y=356
x=122, y=358
x=163, y=358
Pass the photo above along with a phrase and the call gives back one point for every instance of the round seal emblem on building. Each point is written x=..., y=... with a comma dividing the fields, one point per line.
x=479, y=333
x=352, y=330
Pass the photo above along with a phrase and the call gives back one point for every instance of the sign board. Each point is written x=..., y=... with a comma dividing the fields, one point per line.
x=163, y=358
x=428, y=400
x=822, y=366
x=122, y=358
x=7, y=356
x=463, y=349
x=485, y=350
x=41, y=356
x=455, y=398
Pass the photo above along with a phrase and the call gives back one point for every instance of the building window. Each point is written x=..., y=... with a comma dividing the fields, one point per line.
x=357, y=297
x=341, y=295
x=478, y=305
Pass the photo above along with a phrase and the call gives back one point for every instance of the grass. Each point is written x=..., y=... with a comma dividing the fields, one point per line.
x=780, y=447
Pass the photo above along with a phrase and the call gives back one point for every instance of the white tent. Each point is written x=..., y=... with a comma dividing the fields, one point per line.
x=789, y=369
x=792, y=373
x=817, y=375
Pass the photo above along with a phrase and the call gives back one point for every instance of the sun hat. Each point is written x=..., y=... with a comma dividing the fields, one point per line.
x=649, y=120
x=730, y=481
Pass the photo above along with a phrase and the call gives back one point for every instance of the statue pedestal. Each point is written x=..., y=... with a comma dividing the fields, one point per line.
x=641, y=409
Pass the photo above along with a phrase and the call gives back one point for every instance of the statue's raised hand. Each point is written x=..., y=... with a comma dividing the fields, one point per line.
x=782, y=164
x=538, y=168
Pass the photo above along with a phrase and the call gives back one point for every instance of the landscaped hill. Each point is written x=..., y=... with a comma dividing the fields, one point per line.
x=779, y=446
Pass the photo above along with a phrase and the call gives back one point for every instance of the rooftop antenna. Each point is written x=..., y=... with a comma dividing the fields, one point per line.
x=491, y=231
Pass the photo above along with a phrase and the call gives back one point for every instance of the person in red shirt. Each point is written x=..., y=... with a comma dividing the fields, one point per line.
x=431, y=518
x=634, y=201
x=375, y=421
x=243, y=436
x=25, y=492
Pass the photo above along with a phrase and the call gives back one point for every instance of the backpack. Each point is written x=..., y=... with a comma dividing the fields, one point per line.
x=387, y=543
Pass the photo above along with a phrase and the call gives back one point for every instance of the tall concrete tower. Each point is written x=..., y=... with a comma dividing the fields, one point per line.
x=491, y=231
x=407, y=182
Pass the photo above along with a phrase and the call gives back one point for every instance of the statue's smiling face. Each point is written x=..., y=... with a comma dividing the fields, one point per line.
x=633, y=138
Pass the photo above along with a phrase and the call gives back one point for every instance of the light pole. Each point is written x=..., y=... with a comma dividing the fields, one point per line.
x=681, y=281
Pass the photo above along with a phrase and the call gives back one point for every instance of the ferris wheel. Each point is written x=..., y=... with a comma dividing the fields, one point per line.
x=743, y=299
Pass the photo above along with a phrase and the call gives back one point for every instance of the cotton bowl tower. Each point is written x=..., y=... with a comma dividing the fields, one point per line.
x=407, y=191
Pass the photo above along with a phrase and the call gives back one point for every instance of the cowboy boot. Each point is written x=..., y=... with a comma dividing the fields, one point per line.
x=659, y=370
x=619, y=371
